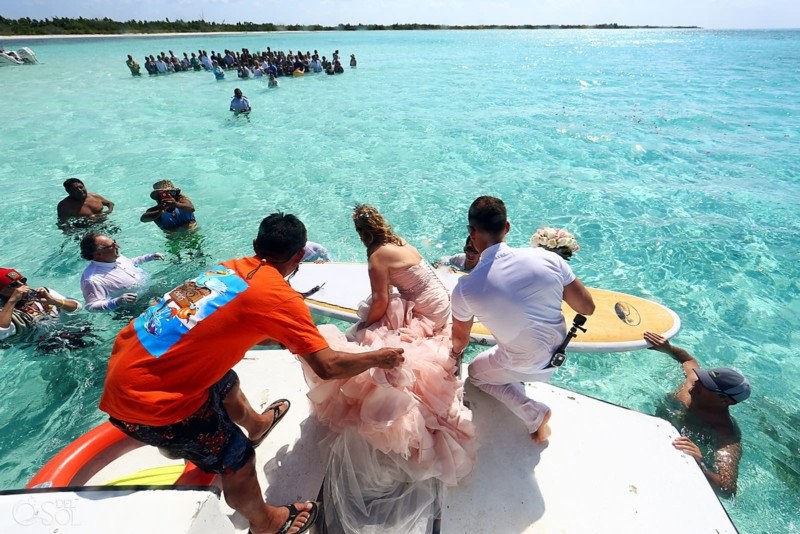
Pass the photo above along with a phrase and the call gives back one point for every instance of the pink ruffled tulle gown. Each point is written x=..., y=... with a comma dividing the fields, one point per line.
x=403, y=433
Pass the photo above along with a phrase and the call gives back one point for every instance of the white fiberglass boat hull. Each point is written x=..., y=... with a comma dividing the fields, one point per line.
x=604, y=469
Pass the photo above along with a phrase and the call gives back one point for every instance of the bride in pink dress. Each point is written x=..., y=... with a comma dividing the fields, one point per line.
x=403, y=434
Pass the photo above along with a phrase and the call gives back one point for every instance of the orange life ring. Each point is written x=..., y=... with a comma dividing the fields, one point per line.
x=60, y=471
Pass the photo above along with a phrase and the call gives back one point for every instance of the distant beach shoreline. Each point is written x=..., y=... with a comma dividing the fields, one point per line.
x=134, y=35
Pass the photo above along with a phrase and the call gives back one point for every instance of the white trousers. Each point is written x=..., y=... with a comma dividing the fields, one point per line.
x=501, y=376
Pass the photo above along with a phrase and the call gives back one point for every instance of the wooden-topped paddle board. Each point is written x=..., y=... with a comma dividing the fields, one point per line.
x=618, y=323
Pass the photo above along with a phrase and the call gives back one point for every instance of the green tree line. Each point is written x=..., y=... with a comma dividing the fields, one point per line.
x=106, y=26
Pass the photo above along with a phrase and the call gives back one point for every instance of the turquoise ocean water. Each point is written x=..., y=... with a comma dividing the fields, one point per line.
x=672, y=155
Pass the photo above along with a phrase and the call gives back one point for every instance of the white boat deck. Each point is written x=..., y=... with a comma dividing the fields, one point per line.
x=604, y=469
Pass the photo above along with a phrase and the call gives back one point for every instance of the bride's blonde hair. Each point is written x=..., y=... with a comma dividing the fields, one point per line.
x=372, y=228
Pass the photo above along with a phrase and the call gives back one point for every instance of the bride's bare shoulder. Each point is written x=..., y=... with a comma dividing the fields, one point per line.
x=395, y=255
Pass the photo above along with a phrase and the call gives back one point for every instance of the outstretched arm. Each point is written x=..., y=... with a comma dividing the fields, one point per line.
x=328, y=363
x=661, y=344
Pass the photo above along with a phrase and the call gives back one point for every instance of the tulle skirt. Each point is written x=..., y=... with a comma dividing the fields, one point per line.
x=400, y=434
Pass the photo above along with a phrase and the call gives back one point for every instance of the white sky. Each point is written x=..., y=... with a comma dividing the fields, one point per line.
x=705, y=13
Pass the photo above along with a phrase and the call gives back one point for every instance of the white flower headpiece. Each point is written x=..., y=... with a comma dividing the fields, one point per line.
x=554, y=238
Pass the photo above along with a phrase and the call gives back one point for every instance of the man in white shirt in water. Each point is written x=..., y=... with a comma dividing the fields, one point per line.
x=110, y=280
x=316, y=253
x=516, y=293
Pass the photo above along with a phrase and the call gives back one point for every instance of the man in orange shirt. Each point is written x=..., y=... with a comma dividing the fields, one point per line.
x=170, y=381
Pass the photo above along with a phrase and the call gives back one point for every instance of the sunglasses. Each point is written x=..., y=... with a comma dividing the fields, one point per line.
x=113, y=244
x=470, y=250
x=18, y=283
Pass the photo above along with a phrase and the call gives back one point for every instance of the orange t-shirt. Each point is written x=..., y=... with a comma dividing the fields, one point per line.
x=165, y=360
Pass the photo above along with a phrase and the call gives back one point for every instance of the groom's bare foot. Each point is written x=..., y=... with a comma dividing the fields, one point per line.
x=543, y=432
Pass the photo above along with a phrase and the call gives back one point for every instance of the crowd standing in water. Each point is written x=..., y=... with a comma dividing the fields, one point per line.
x=269, y=64
x=161, y=408
x=246, y=64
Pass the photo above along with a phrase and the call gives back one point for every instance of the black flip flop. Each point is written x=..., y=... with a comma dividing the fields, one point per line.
x=294, y=512
x=276, y=417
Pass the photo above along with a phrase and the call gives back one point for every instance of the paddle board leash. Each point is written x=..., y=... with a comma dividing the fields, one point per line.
x=559, y=355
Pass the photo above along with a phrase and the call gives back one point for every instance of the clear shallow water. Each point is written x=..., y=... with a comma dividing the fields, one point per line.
x=672, y=155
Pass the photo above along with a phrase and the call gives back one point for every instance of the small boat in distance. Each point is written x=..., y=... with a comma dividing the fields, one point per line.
x=23, y=56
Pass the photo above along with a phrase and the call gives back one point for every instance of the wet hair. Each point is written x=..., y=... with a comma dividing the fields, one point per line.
x=372, y=228
x=279, y=238
x=488, y=214
x=89, y=245
x=70, y=182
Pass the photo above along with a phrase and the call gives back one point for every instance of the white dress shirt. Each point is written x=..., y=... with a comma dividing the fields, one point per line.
x=103, y=282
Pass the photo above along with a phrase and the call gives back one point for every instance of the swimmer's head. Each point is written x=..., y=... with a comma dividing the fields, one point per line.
x=237, y=93
x=75, y=189
x=725, y=382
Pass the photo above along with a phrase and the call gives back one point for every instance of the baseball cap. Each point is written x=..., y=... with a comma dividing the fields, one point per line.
x=725, y=381
x=9, y=276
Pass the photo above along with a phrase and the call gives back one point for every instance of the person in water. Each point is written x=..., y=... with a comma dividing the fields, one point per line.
x=22, y=307
x=174, y=211
x=170, y=381
x=464, y=262
x=219, y=74
x=239, y=103
x=111, y=280
x=353, y=62
x=316, y=253
x=80, y=203
x=705, y=398
x=133, y=66
x=273, y=82
x=516, y=293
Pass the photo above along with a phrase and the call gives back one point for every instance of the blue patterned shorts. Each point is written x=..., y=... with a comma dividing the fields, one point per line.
x=208, y=438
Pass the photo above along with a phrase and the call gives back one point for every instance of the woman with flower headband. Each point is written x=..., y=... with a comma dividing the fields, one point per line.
x=402, y=434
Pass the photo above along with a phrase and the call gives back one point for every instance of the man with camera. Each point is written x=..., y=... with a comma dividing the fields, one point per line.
x=174, y=211
x=22, y=306
x=704, y=399
x=516, y=293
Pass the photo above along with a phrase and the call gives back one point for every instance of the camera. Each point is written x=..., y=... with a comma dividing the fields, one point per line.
x=559, y=355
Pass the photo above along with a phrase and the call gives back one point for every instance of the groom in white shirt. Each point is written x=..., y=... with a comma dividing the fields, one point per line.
x=516, y=293
x=110, y=280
